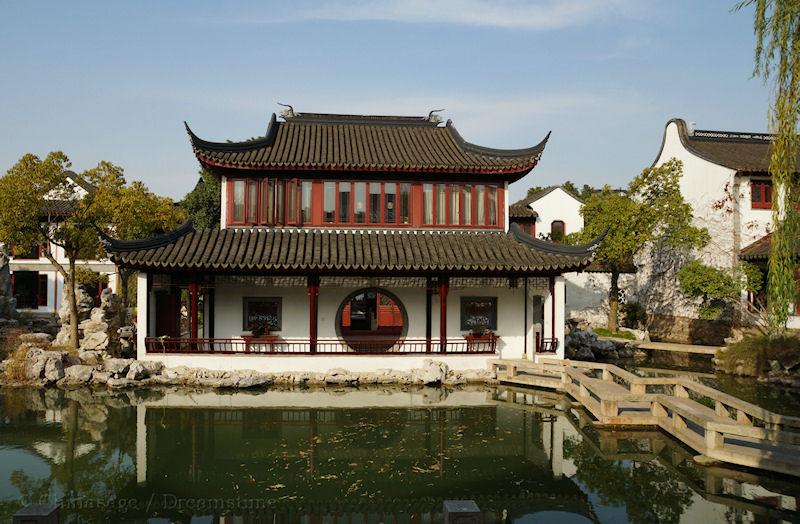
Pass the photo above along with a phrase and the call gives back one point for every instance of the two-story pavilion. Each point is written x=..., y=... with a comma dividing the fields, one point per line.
x=371, y=241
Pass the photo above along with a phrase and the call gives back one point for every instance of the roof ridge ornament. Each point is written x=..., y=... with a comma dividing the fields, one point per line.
x=287, y=113
x=433, y=117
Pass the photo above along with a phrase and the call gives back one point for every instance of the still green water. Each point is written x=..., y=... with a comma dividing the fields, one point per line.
x=355, y=456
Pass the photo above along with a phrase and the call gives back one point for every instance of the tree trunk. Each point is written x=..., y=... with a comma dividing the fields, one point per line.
x=124, y=275
x=613, y=303
x=72, y=296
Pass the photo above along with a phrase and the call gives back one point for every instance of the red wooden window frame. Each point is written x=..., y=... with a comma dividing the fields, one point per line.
x=761, y=194
x=257, y=189
x=797, y=291
x=563, y=230
x=285, y=207
x=41, y=298
x=380, y=212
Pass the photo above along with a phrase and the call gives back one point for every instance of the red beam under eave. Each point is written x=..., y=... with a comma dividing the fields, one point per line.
x=515, y=172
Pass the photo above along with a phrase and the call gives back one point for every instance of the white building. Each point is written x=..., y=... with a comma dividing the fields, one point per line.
x=558, y=212
x=726, y=180
x=356, y=242
x=36, y=284
x=551, y=214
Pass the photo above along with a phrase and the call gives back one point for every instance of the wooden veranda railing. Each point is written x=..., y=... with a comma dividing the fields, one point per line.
x=279, y=346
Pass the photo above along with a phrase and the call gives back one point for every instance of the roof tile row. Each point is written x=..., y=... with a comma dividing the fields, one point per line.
x=289, y=250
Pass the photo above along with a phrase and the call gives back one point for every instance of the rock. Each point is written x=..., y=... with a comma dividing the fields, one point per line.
x=432, y=372
x=101, y=377
x=249, y=379
x=94, y=341
x=41, y=339
x=340, y=376
x=136, y=371
x=40, y=363
x=153, y=367
x=54, y=370
x=117, y=366
x=119, y=382
x=775, y=366
x=79, y=374
x=91, y=357
x=85, y=305
x=575, y=352
x=139, y=370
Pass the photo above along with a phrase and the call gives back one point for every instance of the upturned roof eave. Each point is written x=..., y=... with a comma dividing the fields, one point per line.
x=512, y=164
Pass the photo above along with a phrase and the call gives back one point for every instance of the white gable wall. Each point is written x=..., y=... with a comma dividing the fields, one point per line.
x=558, y=204
x=708, y=188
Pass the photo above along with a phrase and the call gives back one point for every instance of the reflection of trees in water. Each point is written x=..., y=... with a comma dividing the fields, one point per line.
x=649, y=492
x=100, y=425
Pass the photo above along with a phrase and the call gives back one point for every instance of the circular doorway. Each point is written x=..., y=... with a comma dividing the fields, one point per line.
x=371, y=320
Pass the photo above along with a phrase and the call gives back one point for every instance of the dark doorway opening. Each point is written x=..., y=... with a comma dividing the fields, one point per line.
x=30, y=289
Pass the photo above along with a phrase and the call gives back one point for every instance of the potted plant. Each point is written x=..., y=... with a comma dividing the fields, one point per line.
x=259, y=328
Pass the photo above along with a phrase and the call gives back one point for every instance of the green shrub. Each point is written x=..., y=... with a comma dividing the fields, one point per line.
x=603, y=332
x=634, y=315
x=751, y=355
x=717, y=288
x=89, y=278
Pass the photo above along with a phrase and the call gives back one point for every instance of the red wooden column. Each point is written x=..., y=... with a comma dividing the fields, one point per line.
x=525, y=320
x=552, y=286
x=444, y=287
x=313, y=310
x=428, y=313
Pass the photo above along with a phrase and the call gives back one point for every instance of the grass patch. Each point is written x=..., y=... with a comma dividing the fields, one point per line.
x=15, y=354
x=751, y=356
x=603, y=332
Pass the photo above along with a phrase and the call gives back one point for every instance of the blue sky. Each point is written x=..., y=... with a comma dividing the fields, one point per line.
x=114, y=80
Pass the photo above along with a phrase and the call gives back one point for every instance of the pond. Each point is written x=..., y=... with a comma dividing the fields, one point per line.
x=370, y=455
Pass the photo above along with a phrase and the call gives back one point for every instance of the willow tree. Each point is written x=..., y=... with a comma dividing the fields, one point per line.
x=777, y=61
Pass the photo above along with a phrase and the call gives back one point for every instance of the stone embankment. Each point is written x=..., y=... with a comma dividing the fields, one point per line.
x=43, y=367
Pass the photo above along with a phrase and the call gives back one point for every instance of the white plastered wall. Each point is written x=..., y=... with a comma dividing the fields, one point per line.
x=223, y=209
x=709, y=189
x=587, y=295
x=228, y=323
x=558, y=204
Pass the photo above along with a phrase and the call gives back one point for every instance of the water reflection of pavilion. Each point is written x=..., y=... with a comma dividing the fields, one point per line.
x=364, y=463
x=436, y=438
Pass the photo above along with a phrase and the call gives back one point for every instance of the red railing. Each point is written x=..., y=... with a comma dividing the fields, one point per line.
x=547, y=345
x=278, y=346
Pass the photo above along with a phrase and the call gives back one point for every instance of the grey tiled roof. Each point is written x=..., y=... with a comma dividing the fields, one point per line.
x=356, y=251
x=381, y=144
x=728, y=149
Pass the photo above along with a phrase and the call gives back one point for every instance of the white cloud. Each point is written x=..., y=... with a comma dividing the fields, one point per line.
x=513, y=14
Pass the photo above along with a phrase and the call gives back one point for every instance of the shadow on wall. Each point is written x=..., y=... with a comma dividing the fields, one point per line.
x=685, y=330
x=587, y=295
